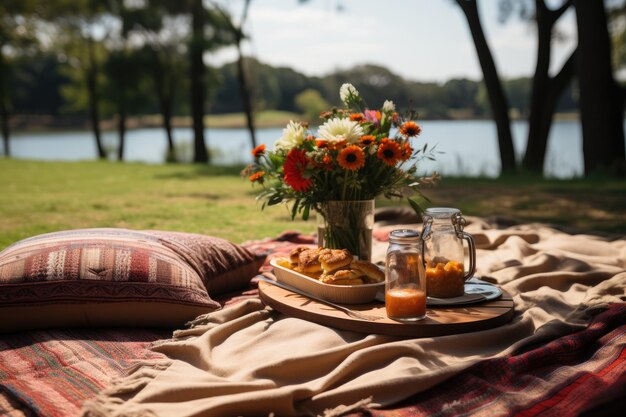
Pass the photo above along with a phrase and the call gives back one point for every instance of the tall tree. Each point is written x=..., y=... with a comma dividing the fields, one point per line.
x=197, y=75
x=601, y=100
x=124, y=88
x=155, y=24
x=81, y=28
x=245, y=87
x=545, y=90
x=495, y=92
x=17, y=34
x=210, y=30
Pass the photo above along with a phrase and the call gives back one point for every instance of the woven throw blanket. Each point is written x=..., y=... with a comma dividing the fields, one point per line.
x=251, y=360
x=52, y=372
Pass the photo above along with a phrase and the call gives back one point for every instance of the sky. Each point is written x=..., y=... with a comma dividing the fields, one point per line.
x=421, y=40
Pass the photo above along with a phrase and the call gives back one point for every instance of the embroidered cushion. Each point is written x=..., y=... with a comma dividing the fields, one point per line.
x=117, y=277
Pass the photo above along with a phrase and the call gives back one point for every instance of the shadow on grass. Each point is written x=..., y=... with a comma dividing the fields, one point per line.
x=200, y=171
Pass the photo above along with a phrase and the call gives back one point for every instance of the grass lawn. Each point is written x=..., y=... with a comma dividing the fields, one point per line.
x=40, y=197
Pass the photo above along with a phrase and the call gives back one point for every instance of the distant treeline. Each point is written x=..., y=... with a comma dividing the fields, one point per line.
x=38, y=82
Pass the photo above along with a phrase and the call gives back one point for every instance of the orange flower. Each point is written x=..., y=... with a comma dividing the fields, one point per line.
x=389, y=151
x=351, y=158
x=410, y=129
x=321, y=143
x=367, y=140
x=258, y=151
x=295, y=165
x=327, y=163
x=257, y=176
x=357, y=117
x=407, y=151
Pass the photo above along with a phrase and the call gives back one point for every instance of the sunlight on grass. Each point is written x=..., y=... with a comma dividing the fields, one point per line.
x=40, y=197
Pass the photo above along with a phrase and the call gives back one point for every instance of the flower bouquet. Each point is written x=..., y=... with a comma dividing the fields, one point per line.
x=357, y=155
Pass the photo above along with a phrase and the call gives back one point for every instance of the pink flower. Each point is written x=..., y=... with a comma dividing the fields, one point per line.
x=373, y=116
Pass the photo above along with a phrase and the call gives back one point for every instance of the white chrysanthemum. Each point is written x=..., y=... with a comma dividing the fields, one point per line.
x=388, y=106
x=337, y=130
x=293, y=135
x=346, y=91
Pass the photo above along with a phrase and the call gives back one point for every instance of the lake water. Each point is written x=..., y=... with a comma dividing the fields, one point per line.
x=468, y=147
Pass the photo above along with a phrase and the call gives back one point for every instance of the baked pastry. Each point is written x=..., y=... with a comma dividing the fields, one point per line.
x=334, y=259
x=294, y=255
x=371, y=273
x=309, y=262
x=342, y=277
x=332, y=266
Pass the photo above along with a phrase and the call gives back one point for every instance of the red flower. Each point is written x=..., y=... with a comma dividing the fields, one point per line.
x=295, y=165
x=258, y=151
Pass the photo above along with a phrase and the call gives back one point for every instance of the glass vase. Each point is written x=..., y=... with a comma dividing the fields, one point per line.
x=347, y=225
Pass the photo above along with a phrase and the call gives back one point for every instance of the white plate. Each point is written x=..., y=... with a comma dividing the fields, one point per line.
x=342, y=294
x=476, y=291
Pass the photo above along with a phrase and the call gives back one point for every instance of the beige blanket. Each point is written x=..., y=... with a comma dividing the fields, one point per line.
x=249, y=360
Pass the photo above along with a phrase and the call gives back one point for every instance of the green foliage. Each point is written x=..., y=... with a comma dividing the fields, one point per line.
x=311, y=103
x=160, y=51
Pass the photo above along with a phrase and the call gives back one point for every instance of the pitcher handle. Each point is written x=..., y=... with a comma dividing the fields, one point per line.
x=472, y=255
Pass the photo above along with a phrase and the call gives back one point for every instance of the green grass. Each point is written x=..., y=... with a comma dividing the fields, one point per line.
x=39, y=197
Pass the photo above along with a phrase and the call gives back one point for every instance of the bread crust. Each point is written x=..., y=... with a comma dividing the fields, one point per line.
x=332, y=266
x=373, y=273
x=308, y=261
x=334, y=259
x=342, y=277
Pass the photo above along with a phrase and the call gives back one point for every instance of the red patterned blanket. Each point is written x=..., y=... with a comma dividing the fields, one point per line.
x=51, y=373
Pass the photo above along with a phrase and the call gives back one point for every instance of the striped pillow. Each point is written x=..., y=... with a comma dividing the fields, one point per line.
x=117, y=277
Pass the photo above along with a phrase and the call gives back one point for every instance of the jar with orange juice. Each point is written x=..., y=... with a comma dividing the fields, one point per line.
x=405, y=278
x=444, y=254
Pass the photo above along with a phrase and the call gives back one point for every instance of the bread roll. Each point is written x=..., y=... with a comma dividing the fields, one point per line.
x=372, y=273
x=342, y=277
x=334, y=259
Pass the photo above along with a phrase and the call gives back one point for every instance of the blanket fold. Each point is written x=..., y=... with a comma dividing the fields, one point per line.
x=250, y=360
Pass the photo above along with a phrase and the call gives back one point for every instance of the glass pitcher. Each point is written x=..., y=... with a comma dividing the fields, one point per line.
x=443, y=253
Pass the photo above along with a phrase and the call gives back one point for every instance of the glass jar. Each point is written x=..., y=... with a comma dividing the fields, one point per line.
x=405, y=279
x=444, y=255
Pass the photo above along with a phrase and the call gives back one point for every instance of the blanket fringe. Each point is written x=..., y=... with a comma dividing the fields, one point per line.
x=108, y=402
x=343, y=409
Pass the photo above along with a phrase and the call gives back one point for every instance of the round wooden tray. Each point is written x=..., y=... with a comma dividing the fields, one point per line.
x=440, y=321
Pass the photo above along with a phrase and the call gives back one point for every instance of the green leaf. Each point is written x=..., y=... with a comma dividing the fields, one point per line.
x=294, y=208
x=416, y=207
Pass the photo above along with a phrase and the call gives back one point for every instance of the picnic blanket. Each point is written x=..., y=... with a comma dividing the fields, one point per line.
x=568, y=337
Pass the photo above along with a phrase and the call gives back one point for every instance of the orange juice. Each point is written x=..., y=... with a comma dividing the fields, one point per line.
x=405, y=303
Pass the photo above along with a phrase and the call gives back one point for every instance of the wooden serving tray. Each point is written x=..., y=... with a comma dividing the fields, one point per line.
x=440, y=321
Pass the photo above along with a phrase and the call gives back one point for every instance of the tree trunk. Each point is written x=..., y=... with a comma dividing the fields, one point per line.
x=246, y=99
x=121, y=129
x=545, y=91
x=197, y=75
x=4, y=108
x=92, y=93
x=601, y=106
x=165, y=102
x=244, y=86
x=497, y=99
